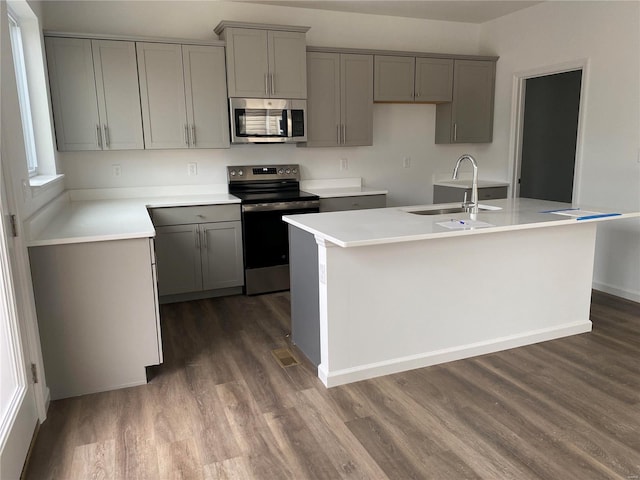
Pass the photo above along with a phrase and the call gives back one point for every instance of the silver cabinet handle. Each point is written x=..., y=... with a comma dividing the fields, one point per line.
x=273, y=83
x=204, y=239
x=99, y=136
x=197, y=238
x=455, y=132
x=266, y=84
x=186, y=134
x=338, y=132
x=107, y=137
x=344, y=133
x=193, y=134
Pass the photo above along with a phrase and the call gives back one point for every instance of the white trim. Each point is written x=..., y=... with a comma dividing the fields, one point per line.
x=517, y=117
x=349, y=375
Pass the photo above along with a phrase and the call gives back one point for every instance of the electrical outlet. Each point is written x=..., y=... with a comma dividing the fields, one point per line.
x=344, y=164
x=406, y=162
x=117, y=170
x=192, y=169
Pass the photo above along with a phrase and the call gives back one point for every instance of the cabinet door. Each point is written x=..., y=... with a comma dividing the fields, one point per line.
x=221, y=255
x=206, y=96
x=178, y=259
x=162, y=95
x=323, y=101
x=73, y=94
x=356, y=90
x=247, y=62
x=360, y=202
x=118, y=93
x=287, y=64
x=469, y=117
x=393, y=78
x=434, y=80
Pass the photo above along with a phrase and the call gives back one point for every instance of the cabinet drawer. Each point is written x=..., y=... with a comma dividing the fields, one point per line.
x=195, y=214
x=489, y=193
x=360, y=202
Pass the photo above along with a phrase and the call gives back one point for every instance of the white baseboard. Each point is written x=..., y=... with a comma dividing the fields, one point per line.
x=363, y=372
x=618, y=292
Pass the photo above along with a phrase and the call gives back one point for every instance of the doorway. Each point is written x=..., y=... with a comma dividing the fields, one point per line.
x=548, y=141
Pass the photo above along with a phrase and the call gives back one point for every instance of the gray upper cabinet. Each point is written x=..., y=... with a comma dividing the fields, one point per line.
x=434, y=80
x=394, y=78
x=265, y=63
x=183, y=96
x=94, y=93
x=340, y=101
x=413, y=79
x=469, y=117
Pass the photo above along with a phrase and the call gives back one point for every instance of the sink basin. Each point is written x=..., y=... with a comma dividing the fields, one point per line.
x=447, y=210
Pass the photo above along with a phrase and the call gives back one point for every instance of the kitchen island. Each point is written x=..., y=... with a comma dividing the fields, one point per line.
x=380, y=291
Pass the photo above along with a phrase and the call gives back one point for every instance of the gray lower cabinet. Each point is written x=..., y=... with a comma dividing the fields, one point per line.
x=199, y=249
x=97, y=309
x=469, y=117
x=446, y=194
x=94, y=94
x=340, y=99
x=359, y=202
x=412, y=79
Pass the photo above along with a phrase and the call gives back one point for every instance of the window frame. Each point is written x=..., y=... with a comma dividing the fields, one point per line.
x=24, y=99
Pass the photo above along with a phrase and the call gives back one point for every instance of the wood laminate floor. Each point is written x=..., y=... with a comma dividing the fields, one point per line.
x=221, y=407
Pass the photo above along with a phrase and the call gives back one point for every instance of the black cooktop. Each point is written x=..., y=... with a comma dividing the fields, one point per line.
x=272, y=197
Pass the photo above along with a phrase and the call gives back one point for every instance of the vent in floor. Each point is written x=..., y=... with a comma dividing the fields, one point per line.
x=285, y=357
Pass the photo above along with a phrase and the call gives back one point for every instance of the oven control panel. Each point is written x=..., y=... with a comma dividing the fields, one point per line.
x=249, y=173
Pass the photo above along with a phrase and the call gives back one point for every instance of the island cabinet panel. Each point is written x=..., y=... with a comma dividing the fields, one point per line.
x=265, y=63
x=412, y=79
x=183, y=95
x=97, y=314
x=94, y=94
x=199, y=251
x=359, y=202
x=469, y=117
x=340, y=103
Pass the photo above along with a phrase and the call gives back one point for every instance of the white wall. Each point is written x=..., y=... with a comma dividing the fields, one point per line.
x=607, y=34
x=399, y=130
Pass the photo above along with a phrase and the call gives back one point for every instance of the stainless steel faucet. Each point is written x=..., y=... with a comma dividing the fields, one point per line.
x=471, y=206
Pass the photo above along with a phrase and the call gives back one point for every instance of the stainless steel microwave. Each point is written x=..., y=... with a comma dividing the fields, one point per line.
x=268, y=120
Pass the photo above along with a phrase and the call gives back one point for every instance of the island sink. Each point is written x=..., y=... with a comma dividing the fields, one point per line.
x=447, y=210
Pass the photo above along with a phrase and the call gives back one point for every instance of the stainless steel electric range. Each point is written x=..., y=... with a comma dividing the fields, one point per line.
x=267, y=192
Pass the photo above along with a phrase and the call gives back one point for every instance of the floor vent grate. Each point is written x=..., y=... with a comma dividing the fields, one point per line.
x=285, y=357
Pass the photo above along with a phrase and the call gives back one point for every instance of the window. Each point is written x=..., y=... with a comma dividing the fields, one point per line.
x=23, y=94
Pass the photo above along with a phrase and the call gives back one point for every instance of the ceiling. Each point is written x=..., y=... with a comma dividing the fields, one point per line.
x=469, y=11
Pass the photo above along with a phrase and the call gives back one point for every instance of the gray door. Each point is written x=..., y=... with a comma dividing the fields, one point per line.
x=549, y=136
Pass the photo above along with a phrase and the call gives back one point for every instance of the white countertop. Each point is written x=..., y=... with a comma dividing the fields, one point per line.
x=102, y=220
x=466, y=183
x=345, y=192
x=358, y=228
x=339, y=187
